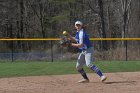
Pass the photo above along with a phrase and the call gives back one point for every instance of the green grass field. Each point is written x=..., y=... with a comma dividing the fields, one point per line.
x=15, y=69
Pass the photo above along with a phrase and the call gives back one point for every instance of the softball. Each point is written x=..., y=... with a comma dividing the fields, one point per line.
x=64, y=32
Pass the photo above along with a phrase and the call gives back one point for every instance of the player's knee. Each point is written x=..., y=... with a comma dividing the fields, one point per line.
x=89, y=65
x=78, y=67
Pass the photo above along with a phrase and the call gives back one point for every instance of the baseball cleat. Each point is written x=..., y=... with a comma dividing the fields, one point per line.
x=83, y=81
x=103, y=78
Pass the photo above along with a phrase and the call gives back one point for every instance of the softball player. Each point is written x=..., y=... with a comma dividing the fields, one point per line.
x=86, y=55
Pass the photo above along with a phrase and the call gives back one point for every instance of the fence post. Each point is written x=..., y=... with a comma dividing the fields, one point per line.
x=51, y=51
x=126, y=50
x=11, y=36
x=12, y=52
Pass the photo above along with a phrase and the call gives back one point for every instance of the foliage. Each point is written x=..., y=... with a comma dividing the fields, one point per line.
x=47, y=18
x=60, y=17
x=62, y=1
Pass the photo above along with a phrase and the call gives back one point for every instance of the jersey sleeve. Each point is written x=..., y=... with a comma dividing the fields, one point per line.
x=81, y=37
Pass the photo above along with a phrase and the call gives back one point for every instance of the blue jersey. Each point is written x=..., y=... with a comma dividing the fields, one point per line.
x=83, y=38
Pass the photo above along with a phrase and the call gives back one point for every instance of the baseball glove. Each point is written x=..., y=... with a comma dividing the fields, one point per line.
x=65, y=42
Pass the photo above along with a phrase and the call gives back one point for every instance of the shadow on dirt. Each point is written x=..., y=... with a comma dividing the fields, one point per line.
x=127, y=82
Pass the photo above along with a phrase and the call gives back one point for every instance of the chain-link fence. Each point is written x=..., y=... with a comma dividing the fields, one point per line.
x=51, y=51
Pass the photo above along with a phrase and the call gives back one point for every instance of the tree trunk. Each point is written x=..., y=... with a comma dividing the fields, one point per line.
x=103, y=34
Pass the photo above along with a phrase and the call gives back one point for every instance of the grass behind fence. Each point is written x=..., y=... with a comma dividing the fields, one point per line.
x=15, y=69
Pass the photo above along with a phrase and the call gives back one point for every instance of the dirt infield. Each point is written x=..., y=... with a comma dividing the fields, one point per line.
x=116, y=83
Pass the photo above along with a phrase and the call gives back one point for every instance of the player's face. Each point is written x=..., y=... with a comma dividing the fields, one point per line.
x=78, y=27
